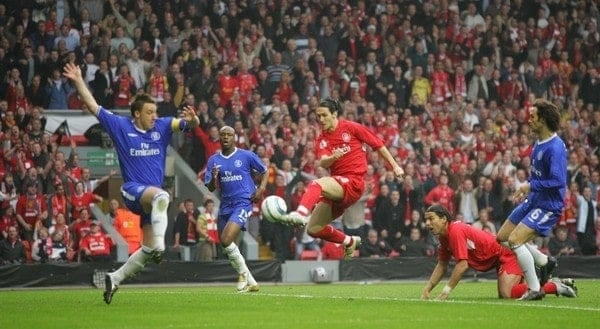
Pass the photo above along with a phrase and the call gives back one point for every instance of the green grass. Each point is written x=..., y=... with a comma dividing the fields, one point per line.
x=324, y=306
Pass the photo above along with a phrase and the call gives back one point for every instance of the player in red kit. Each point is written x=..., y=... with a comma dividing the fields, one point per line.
x=340, y=148
x=479, y=250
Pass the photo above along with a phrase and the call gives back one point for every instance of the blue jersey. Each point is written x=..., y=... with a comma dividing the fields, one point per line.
x=548, y=179
x=141, y=153
x=235, y=183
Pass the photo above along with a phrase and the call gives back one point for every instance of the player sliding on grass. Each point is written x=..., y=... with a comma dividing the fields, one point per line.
x=479, y=250
x=543, y=198
x=141, y=143
x=340, y=148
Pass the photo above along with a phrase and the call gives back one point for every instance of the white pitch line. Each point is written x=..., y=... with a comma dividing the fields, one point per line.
x=395, y=299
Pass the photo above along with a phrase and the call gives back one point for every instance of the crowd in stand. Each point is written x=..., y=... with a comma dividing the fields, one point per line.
x=446, y=84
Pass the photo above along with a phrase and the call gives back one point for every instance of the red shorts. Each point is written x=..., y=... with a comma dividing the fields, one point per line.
x=354, y=188
x=509, y=263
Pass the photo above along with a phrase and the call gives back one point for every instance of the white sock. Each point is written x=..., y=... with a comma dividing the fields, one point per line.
x=237, y=261
x=132, y=266
x=528, y=267
x=538, y=257
x=159, y=217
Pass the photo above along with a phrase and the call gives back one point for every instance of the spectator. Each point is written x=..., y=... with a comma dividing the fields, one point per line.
x=59, y=202
x=561, y=244
x=102, y=84
x=58, y=89
x=41, y=249
x=124, y=88
x=31, y=208
x=389, y=220
x=80, y=227
x=415, y=221
x=466, y=202
x=490, y=198
x=441, y=194
x=8, y=192
x=483, y=222
x=139, y=69
x=82, y=200
x=12, y=250
x=185, y=226
x=415, y=245
x=90, y=184
x=208, y=233
x=128, y=225
x=374, y=247
x=587, y=215
x=96, y=246
x=60, y=225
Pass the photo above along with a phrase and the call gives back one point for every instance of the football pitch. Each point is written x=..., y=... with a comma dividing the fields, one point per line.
x=324, y=306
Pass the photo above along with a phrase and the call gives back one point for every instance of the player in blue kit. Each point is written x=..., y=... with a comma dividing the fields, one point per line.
x=141, y=143
x=542, y=198
x=231, y=171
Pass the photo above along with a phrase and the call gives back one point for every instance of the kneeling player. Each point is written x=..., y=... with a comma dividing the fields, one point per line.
x=479, y=250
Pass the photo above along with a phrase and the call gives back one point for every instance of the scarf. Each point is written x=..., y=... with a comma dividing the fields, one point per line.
x=211, y=227
x=460, y=85
x=59, y=205
x=157, y=87
x=123, y=96
x=440, y=87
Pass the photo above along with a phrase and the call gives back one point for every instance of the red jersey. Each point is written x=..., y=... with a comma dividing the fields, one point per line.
x=211, y=146
x=6, y=222
x=97, y=243
x=79, y=202
x=227, y=85
x=80, y=229
x=247, y=83
x=464, y=242
x=30, y=207
x=349, y=137
x=442, y=194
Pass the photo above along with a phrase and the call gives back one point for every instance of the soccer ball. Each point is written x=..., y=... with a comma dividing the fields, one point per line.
x=273, y=207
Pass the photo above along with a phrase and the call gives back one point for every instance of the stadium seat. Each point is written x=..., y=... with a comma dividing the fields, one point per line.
x=309, y=255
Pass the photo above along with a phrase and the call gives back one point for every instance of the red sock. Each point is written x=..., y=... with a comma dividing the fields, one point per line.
x=549, y=288
x=311, y=196
x=518, y=290
x=329, y=233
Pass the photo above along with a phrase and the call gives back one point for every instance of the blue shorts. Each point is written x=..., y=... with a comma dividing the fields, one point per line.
x=132, y=196
x=537, y=219
x=238, y=214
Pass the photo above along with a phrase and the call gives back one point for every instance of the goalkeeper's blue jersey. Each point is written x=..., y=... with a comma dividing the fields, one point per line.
x=548, y=179
x=141, y=153
x=236, y=182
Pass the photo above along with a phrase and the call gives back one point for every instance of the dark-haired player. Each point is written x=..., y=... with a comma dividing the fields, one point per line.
x=477, y=249
x=232, y=172
x=141, y=144
x=542, y=198
x=341, y=149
